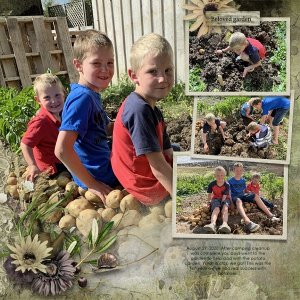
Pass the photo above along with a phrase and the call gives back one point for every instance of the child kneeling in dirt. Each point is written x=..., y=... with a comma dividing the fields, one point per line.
x=213, y=134
x=141, y=152
x=246, y=111
x=247, y=49
x=39, y=140
x=219, y=197
x=260, y=135
x=254, y=187
x=239, y=196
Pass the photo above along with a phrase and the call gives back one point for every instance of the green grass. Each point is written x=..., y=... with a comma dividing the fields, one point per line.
x=196, y=84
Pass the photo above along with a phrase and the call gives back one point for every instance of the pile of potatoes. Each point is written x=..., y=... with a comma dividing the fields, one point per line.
x=80, y=207
x=200, y=216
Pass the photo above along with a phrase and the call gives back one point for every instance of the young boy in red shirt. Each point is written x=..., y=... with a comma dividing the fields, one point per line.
x=39, y=140
x=141, y=151
x=247, y=49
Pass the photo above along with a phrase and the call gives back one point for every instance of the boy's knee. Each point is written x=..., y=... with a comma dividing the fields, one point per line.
x=216, y=209
x=225, y=208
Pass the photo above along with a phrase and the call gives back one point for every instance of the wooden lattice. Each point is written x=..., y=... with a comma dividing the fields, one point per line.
x=31, y=45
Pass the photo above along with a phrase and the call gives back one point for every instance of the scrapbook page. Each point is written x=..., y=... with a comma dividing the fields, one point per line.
x=229, y=226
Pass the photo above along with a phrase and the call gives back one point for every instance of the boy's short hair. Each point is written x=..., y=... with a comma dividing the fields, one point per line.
x=220, y=169
x=45, y=80
x=256, y=101
x=90, y=39
x=237, y=39
x=210, y=117
x=150, y=44
x=256, y=176
x=252, y=126
x=238, y=165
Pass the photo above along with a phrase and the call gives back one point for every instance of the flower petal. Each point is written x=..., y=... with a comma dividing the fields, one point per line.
x=197, y=24
x=191, y=16
x=203, y=29
x=190, y=7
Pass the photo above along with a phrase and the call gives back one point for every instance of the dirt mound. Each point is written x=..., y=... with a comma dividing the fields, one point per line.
x=195, y=215
x=202, y=54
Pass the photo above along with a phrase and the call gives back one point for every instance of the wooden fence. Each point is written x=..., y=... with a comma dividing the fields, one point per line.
x=125, y=21
x=31, y=45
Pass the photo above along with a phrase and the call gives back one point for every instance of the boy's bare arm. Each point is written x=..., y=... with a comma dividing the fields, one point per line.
x=110, y=128
x=169, y=153
x=204, y=141
x=222, y=132
x=209, y=197
x=263, y=119
x=251, y=68
x=32, y=169
x=220, y=51
x=64, y=150
x=162, y=171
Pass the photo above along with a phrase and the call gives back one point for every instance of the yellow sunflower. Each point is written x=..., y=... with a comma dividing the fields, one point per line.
x=30, y=254
x=199, y=13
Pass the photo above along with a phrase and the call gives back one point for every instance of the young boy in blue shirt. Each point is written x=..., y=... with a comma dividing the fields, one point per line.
x=82, y=141
x=274, y=109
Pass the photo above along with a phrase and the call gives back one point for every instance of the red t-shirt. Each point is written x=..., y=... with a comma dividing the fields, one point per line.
x=138, y=130
x=253, y=188
x=41, y=136
x=260, y=47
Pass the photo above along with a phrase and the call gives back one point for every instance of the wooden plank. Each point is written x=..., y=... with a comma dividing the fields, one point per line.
x=65, y=43
x=43, y=43
x=169, y=20
x=136, y=19
x=180, y=41
x=158, y=26
x=127, y=23
x=16, y=78
x=120, y=40
x=2, y=80
x=95, y=10
x=147, y=16
x=9, y=66
x=108, y=10
x=102, y=17
x=19, y=50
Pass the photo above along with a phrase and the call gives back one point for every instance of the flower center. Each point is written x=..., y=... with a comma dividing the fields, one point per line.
x=29, y=258
x=51, y=269
x=210, y=7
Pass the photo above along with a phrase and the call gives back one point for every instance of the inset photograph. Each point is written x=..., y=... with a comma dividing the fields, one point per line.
x=229, y=199
x=254, y=127
x=239, y=59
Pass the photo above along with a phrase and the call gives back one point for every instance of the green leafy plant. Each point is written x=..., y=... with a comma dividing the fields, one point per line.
x=196, y=84
x=273, y=185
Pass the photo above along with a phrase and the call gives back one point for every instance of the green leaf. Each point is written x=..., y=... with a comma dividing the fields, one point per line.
x=107, y=244
x=72, y=246
x=103, y=233
x=95, y=231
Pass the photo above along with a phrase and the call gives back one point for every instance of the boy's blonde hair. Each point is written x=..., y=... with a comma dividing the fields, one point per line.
x=220, y=169
x=238, y=165
x=237, y=39
x=252, y=126
x=46, y=80
x=150, y=44
x=256, y=176
x=210, y=117
x=88, y=40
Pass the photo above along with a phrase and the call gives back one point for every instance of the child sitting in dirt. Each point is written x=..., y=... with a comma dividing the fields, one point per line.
x=39, y=140
x=260, y=135
x=247, y=49
x=273, y=109
x=246, y=112
x=239, y=196
x=82, y=141
x=219, y=198
x=211, y=131
x=254, y=187
x=141, y=152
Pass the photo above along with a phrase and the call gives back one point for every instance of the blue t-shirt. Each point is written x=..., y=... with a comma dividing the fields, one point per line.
x=84, y=114
x=253, y=53
x=270, y=103
x=237, y=187
x=244, y=108
x=207, y=127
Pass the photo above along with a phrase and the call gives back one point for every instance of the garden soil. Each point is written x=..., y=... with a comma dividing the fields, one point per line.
x=202, y=53
x=192, y=203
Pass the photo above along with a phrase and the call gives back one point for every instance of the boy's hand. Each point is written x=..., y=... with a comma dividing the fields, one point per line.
x=32, y=172
x=101, y=190
x=247, y=70
x=219, y=52
x=205, y=147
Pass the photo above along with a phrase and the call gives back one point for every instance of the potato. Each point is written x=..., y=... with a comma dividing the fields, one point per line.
x=107, y=214
x=11, y=181
x=85, y=220
x=150, y=220
x=100, y=210
x=129, y=202
x=13, y=191
x=93, y=198
x=72, y=186
x=114, y=198
x=157, y=209
x=130, y=217
x=62, y=180
x=168, y=209
x=81, y=191
x=78, y=205
x=67, y=222
x=54, y=217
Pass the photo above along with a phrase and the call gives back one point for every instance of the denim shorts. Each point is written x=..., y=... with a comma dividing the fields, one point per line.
x=278, y=115
x=218, y=203
x=249, y=197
